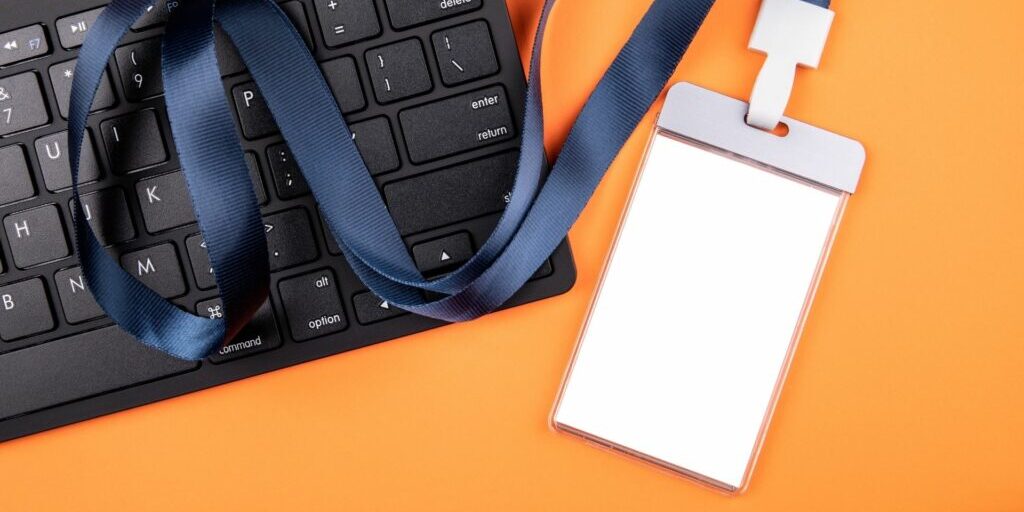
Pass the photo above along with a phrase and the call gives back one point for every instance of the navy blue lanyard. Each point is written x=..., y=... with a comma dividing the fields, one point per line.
x=536, y=219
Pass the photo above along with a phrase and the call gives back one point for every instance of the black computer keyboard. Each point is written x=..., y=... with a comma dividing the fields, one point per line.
x=433, y=92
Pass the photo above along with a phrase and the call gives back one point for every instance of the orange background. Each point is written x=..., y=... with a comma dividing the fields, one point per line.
x=907, y=392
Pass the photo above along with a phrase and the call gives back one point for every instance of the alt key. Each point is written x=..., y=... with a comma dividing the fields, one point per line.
x=313, y=305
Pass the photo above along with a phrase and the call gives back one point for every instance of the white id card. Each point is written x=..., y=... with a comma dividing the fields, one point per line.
x=708, y=286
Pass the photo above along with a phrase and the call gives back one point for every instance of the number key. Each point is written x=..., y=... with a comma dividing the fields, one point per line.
x=61, y=76
x=139, y=66
x=21, y=104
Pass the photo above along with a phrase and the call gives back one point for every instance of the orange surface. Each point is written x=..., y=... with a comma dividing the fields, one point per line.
x=907, y=392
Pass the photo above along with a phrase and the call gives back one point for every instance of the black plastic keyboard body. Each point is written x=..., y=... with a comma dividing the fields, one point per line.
x=433, y=92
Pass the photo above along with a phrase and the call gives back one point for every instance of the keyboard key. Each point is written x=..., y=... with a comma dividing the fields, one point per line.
x=23, y=44
x=72, y=29
x=297, y=14
x=343, y=78
x=545, y=270
x=332, y=244
x=15, y=176
x=24, y=310
x=165, y=202
x=371, y=308
x=257, y=177
x=406, y=13
x=22, y=106
x=313, y=305
x=398, y=71
x=139, y=67
x=77, y=367
x=436, y=256
x=158, y=268
x=75, y=298
x=457, y=124
x=287, y=177
x=450, y=195
x=290, y=239
x=376, y=144
x=465, y=53
x=108, y=215
x=259, y=336
x=61, y=76
x=347, y=21
x=230, y=60
x=200, y=260
x=134, y=141
x=156, y=14
x=54, y=162
x=36, y=236
x=253, y=114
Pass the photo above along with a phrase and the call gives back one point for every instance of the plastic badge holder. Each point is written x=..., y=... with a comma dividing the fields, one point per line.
x=707, y=289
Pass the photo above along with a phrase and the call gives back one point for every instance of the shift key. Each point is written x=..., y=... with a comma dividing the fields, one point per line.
x=457, y=124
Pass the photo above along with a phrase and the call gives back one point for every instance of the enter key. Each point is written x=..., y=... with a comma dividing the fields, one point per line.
x=457, y=124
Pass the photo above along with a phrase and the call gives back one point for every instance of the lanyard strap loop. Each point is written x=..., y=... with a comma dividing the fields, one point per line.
x=535, y=221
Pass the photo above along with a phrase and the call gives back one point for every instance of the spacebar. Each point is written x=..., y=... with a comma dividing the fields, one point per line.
x=77, y=367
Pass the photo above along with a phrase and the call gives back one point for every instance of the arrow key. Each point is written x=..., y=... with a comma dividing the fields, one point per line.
x=371, y=308
x=443, y=254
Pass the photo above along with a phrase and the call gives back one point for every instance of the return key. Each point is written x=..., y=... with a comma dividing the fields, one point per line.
x=457, y=124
